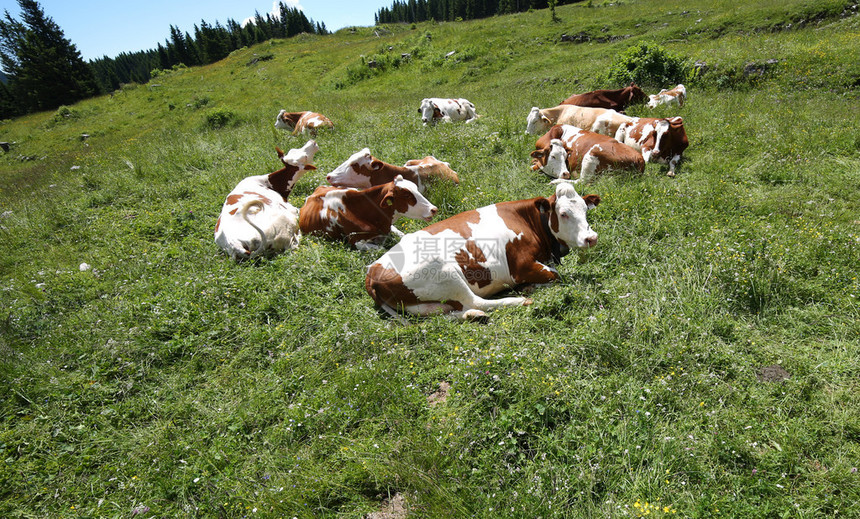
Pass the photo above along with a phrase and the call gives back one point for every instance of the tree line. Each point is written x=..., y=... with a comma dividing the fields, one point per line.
x=45, y=70
x=412, y=11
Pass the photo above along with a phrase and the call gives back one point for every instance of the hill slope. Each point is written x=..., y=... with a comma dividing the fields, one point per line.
x=168, y=380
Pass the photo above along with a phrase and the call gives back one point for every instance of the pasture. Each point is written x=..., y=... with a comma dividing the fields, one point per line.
x=703, y=360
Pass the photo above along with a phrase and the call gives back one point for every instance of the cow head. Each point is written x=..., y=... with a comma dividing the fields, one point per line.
x=355, y=171
x=429, y=112
x=431, y=166
x=634, y=94
x=552, y=160
x=567, y=220
x=403, y=196
x=300, y=157
x=537, y=122
x=282, y=122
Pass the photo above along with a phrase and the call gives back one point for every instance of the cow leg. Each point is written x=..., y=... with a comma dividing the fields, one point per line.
x=672, y=164
x=588, y=172
x=396, y=232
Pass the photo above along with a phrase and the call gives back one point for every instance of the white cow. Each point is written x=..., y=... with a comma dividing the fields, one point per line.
x=256, y=219
x=675, y=96
x=435, y=108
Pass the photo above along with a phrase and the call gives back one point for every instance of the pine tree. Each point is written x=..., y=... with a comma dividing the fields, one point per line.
x=45, y=69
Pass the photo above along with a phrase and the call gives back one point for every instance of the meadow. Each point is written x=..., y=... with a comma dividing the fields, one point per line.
x=703, y=360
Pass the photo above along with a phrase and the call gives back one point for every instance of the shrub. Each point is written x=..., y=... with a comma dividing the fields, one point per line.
x=220, y=118
x=648, y=64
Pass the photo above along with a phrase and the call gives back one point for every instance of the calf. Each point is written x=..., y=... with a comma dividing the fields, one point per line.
x=618, y=99
x=256, y=219
x=567, y=148
x=659, y=140
x=363, y=218
x=453, y=265
x=598, y=120
x=363, y=170
x=434, y=109
x=302, y=122
x=676, y=96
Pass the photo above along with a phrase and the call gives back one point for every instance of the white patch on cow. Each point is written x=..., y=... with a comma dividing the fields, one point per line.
x=556, y=161
x=302, y=156
x=573, y=228
x=423, y=209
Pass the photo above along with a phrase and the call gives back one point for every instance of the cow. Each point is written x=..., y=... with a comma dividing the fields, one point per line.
x=452, y=266
x=302, y=122
x=256, y=219
x=362, y=170
x=618, y=99
x=567, y=148
x=659, y=140
x=434, y=109
x=598, y=120
x=675, y=96
x=363, y=217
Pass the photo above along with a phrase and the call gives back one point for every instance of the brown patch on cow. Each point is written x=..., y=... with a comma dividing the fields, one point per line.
x=617, y=99
x=217, y=224
x=234, y=211
x=233, y=198
x=385, y=286
x=395, y=507
x=440, y=395
x=591, y=200
x=283, y=180
x=774, y=373
x=366, y=214
x=470, y=260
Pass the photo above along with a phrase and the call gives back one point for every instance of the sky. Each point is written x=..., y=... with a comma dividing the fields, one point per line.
x=101, y=28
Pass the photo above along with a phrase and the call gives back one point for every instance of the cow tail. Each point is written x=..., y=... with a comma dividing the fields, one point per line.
x=264, y=243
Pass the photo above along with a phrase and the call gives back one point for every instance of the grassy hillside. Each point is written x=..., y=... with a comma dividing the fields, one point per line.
x=701, y=361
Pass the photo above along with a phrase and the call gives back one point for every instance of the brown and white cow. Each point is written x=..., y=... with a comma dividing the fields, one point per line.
x=302, y=122
x=256, y=219
x=567, y=148
x=598, y=120
x=452, y=266
x=363, y=170
x=675, y=96
x=659, y=140
x=618, y=99
x=363, y=217
x=435, y=109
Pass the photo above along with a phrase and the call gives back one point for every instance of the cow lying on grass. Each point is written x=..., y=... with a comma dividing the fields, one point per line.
x=598, y=120
x=302, y=122
x=256, y=219
x=618, y=99
x=435, y=109
x=363, y=170
x=452, y=266
x=363, y=217
x=565, y=149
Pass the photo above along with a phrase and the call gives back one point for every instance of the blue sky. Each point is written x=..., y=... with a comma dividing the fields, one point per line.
x=108, y=27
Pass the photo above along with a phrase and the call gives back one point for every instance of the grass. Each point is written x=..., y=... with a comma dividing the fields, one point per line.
x=170, y=381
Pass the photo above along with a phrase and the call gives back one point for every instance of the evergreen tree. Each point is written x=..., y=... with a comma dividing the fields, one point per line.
x=45, y=69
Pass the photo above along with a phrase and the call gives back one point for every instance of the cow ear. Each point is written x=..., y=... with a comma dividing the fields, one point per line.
x=543, y=205
x=280, y=152
x=676, y=121
x=591, y=201
x=536, y=154
x=310, y=167
x=545, y=119
x=376, y=164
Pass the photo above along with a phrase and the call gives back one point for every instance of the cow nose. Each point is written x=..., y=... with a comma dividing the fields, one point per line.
x=591, y=241
x=433, y=211
x=565, y=175
x=328, y=178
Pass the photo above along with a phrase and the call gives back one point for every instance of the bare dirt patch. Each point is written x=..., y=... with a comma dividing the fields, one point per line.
x=440, y=395
x=774, y=373
x=393, y=508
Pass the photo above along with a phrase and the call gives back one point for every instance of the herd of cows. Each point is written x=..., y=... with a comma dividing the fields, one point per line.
x=452, y=266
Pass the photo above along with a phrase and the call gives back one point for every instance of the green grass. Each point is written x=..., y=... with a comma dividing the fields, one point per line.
x=171, y=378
